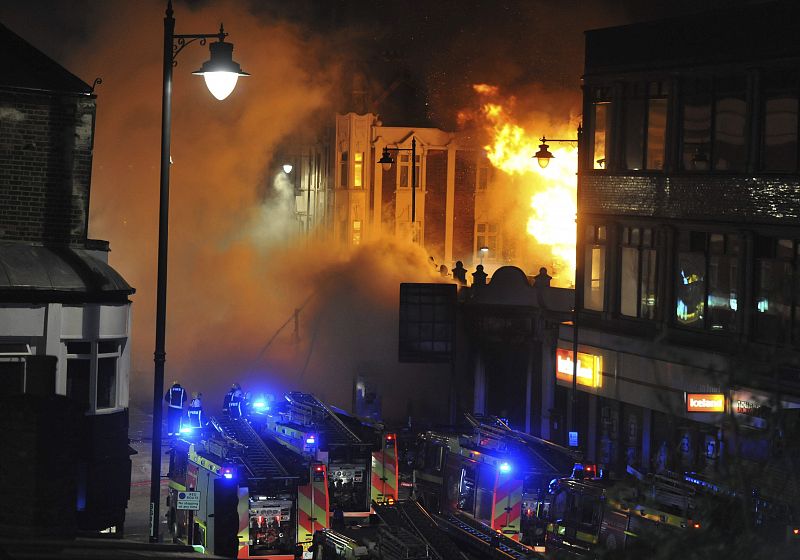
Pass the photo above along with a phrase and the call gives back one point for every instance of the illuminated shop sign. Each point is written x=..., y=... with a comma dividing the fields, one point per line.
x=705, y=402
x=754, y=409
x=589, y=370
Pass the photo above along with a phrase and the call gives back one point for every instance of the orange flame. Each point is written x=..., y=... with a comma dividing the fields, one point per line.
x=553, y=189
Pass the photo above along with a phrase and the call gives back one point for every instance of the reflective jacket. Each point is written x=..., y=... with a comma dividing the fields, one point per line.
x=176, y=396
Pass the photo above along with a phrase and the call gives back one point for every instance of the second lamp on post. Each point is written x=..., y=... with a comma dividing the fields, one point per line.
x=386, y=162
x=221, y=74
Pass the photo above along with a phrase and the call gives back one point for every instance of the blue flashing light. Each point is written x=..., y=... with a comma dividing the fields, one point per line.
x=311, y=440
x=261, y=405
x=505, y=468
x=228, y=475
x=186, y=429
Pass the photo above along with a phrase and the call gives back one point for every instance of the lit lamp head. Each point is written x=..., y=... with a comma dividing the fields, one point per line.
x=484, y=250
x=287, y=168
x=386, y=160
x=543, y=155
x=220, y=71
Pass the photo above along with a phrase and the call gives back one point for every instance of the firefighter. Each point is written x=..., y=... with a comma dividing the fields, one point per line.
x=175, y=398
x=235, y=401
x=226, y=402
x=195, y=414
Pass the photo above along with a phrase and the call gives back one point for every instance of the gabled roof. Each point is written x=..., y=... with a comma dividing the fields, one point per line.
x=24, y=66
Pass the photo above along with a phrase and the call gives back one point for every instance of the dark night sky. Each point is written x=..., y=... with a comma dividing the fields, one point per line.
x=442, y=45
x=236, y=272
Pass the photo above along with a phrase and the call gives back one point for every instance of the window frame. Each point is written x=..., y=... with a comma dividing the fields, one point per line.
x=777, y=82
x=645, y=93
x=714, y=89
x=708, y=254
x=643, y=245
x=93, y=357
x=793, y=326
x=595, y=236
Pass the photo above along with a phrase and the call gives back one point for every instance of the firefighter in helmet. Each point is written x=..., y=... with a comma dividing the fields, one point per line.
x=175, y=399
x=196, y=417
x=234, y=401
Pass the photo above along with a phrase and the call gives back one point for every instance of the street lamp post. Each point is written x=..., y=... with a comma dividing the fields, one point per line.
x=544, y=156
x=386, y=162
x=220, y=74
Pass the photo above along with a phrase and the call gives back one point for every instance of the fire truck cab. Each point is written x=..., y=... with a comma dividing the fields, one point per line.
x=493, y=474
x=232, y=494
x=587, y=513
x=361, y=458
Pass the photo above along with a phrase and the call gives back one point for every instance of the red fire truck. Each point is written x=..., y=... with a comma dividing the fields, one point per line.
x=232, y=494
x=361, y=458
x=491, y=473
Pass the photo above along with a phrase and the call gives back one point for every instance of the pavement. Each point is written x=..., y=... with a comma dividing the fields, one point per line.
x=137, y=517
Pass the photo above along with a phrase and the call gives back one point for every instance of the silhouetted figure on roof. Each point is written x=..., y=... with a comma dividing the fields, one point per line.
x=460, y=273
x=542, y=280
x=479, y=276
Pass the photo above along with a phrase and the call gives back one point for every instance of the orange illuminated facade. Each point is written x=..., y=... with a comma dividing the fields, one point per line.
x=590, y=372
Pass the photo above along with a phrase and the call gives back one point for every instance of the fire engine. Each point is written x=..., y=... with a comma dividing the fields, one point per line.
x=361, y=457
x=491, y=474
x=587, y=512
x=233, y=494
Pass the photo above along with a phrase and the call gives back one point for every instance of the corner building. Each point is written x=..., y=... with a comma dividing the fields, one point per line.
x=64, y=312
x=688, y=273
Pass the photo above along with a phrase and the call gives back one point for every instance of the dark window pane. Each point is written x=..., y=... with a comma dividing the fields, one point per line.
x=108, y=347
x=602, y=117
x=773, y=300
x=716, y=244
x=696, y=132
x=656, y=133
x=344, y=168
x=648, y=287
x=79, y=347
x=629, y=282
x=594, y=281
x=106, y=382
x=780, y=133
x=12, y=377
x=78, y=382
x=723, y=272
x=690, y=294
x=634, y=134
x=729, y=139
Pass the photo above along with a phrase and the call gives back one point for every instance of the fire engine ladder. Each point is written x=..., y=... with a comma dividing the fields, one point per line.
x=548, y=453
x=395, y=542
x=671, y=490
x=261, y=462
x=309, y=406
x=484, y=538
x=424, y=525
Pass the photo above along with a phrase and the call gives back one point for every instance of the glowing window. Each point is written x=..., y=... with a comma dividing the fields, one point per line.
x=358, y=170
